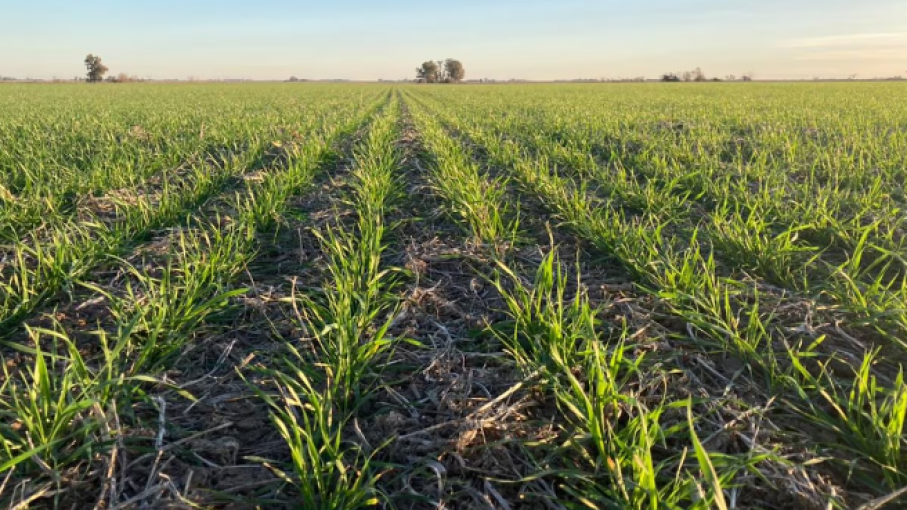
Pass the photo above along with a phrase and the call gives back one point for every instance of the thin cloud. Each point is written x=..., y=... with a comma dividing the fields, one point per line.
x=862, y=55
x=848, y=41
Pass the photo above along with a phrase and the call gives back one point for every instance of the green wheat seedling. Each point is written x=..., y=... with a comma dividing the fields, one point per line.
x=261, y=206
x=328, y=471
x=40, y=406
x=38, y=272
x=749, y=243
x=871, y=285
x=59, y=413
x=611, y=433
x=163, y=311
x=865, y=415
x=45, y=268
x=343, y=319
x=550, y=328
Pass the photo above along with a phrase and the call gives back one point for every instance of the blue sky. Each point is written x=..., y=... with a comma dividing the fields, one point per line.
x=533, y=39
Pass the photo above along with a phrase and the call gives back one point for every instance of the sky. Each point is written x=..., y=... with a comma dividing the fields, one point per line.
x=499, y=39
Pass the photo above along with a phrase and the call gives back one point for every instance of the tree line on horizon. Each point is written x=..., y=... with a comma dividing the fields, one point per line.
x=698, y=75
x=440, y=71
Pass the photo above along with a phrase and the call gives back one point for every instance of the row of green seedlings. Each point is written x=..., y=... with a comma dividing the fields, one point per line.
x=864, y=414
x=605, y=457
x=54, y=157
x=56, y=198
x=63, y=415
x=866, y=289
x=325, y=379
x=851, y=168
x=741, y=239
x=475, y=199
x=41, y=267
x=821, y=246
x=691, y=167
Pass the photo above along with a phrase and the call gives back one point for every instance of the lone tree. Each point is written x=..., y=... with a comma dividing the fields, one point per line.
x=454, y=71
x=96, y=68
x=428, y=72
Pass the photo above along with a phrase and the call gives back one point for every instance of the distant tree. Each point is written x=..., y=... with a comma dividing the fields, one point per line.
x=429, y=72
x=96, y=68
x=747, y=77
x=730, y=77
x=454, y=71
x=293, y=79
x=694, y=75
x=126, y=78
x=441, y=71
x=670, y=77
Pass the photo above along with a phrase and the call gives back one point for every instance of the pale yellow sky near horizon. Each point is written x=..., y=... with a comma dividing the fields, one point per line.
x=531, y=39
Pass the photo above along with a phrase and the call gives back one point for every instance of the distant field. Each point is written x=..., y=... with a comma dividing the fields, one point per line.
x=673, y=296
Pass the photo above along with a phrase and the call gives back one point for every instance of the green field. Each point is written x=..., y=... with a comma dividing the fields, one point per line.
x=644, y=296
